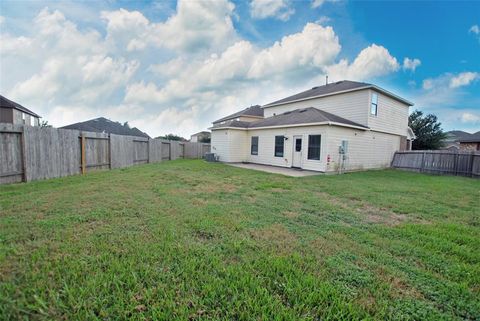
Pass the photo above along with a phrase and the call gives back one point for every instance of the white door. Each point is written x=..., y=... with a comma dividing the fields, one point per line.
x=297, y=151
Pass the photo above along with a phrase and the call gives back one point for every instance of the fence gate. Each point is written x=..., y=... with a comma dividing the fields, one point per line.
x=140, y=150
x=166, y=151
x=181, y=150
x=11, y=159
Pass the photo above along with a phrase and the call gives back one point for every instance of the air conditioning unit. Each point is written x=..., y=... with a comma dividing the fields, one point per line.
x=211, y=157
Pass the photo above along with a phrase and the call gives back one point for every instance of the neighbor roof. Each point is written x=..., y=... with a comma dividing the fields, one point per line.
x=201, y=133
x=255, y=111
x=471, y=138
x=7, y=103
x=103, y=125
x=335, y=88
x=308, y=115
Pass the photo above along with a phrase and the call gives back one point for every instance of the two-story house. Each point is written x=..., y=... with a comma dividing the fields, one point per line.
x=342, y=126
x=14, y=113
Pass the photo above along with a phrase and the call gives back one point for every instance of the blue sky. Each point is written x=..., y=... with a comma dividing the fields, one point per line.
x=175, y=67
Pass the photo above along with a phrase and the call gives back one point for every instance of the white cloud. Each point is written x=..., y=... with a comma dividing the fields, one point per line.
x=319, y=3
x=450, y=80
x=70, y=66
x=2, y=19
x=411, y=64
x=323, y=20
x=463, y=79
x=373, y=61
x=314, y=47
x=196, y=25
x=475, y=29
x=468, y=117
x=279, y=9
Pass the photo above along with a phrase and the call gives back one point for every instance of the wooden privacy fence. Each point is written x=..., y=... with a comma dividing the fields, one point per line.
x=31, y=153
x=463, y=163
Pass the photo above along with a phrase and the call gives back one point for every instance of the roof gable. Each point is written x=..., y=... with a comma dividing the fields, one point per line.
x=254, y=111
x=300, y=116
x=7, y=103
x=333, y=89
x=104, y=125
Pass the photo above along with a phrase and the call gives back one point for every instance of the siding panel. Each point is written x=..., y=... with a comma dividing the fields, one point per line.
x=353, y=106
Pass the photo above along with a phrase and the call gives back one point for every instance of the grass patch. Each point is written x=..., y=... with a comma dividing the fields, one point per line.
x=191, y=240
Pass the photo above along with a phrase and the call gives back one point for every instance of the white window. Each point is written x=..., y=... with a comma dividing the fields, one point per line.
x=374, y=105
x=32, y=121
x=23, y=118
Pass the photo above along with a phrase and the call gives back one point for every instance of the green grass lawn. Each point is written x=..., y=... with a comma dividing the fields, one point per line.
x=192, y=240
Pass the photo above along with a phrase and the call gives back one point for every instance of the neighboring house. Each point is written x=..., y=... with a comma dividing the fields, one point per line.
x=200, y=137
x=340, y=126
x=460, y=140
x=452, y=137
x=471, y=143
x=103, y=125
x=14, y=113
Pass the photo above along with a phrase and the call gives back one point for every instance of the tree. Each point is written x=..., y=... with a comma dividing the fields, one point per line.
x=44, y=123
x=427, y=129
x=172, y=137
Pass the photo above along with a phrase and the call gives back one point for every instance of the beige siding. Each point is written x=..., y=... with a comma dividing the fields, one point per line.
x=230, y=145
x=266, y=146
x=353, y=106
x=220, y=144
x=366, y=149
x=392, y=115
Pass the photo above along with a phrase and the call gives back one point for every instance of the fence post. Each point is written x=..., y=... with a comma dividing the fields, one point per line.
x=109, y=151
x=24, y=156
x=455, y=161
x=423, y=162
x=148, y=151
x=82, y=145
x=472, y=158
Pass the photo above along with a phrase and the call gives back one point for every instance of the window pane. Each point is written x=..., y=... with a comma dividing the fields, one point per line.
x=298, y=144
x=374, y=104
x=314, y=147
x=279, y=146
x=254, y=145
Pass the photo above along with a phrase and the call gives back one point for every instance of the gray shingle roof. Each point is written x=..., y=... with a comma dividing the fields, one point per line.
x=255, y=110
x=471, y=138
x=7, y=103
x=332, y=88
x=103, y=125
x=308, y=115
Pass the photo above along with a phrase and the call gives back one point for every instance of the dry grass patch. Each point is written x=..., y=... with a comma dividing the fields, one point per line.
x=277, y=237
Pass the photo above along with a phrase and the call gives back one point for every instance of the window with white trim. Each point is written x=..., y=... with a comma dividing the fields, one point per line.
x=374, y=105
x=314, y=144
x=254, y=146
x=279, y=144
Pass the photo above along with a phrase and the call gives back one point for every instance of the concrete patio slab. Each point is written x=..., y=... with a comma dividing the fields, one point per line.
x=287, y=171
